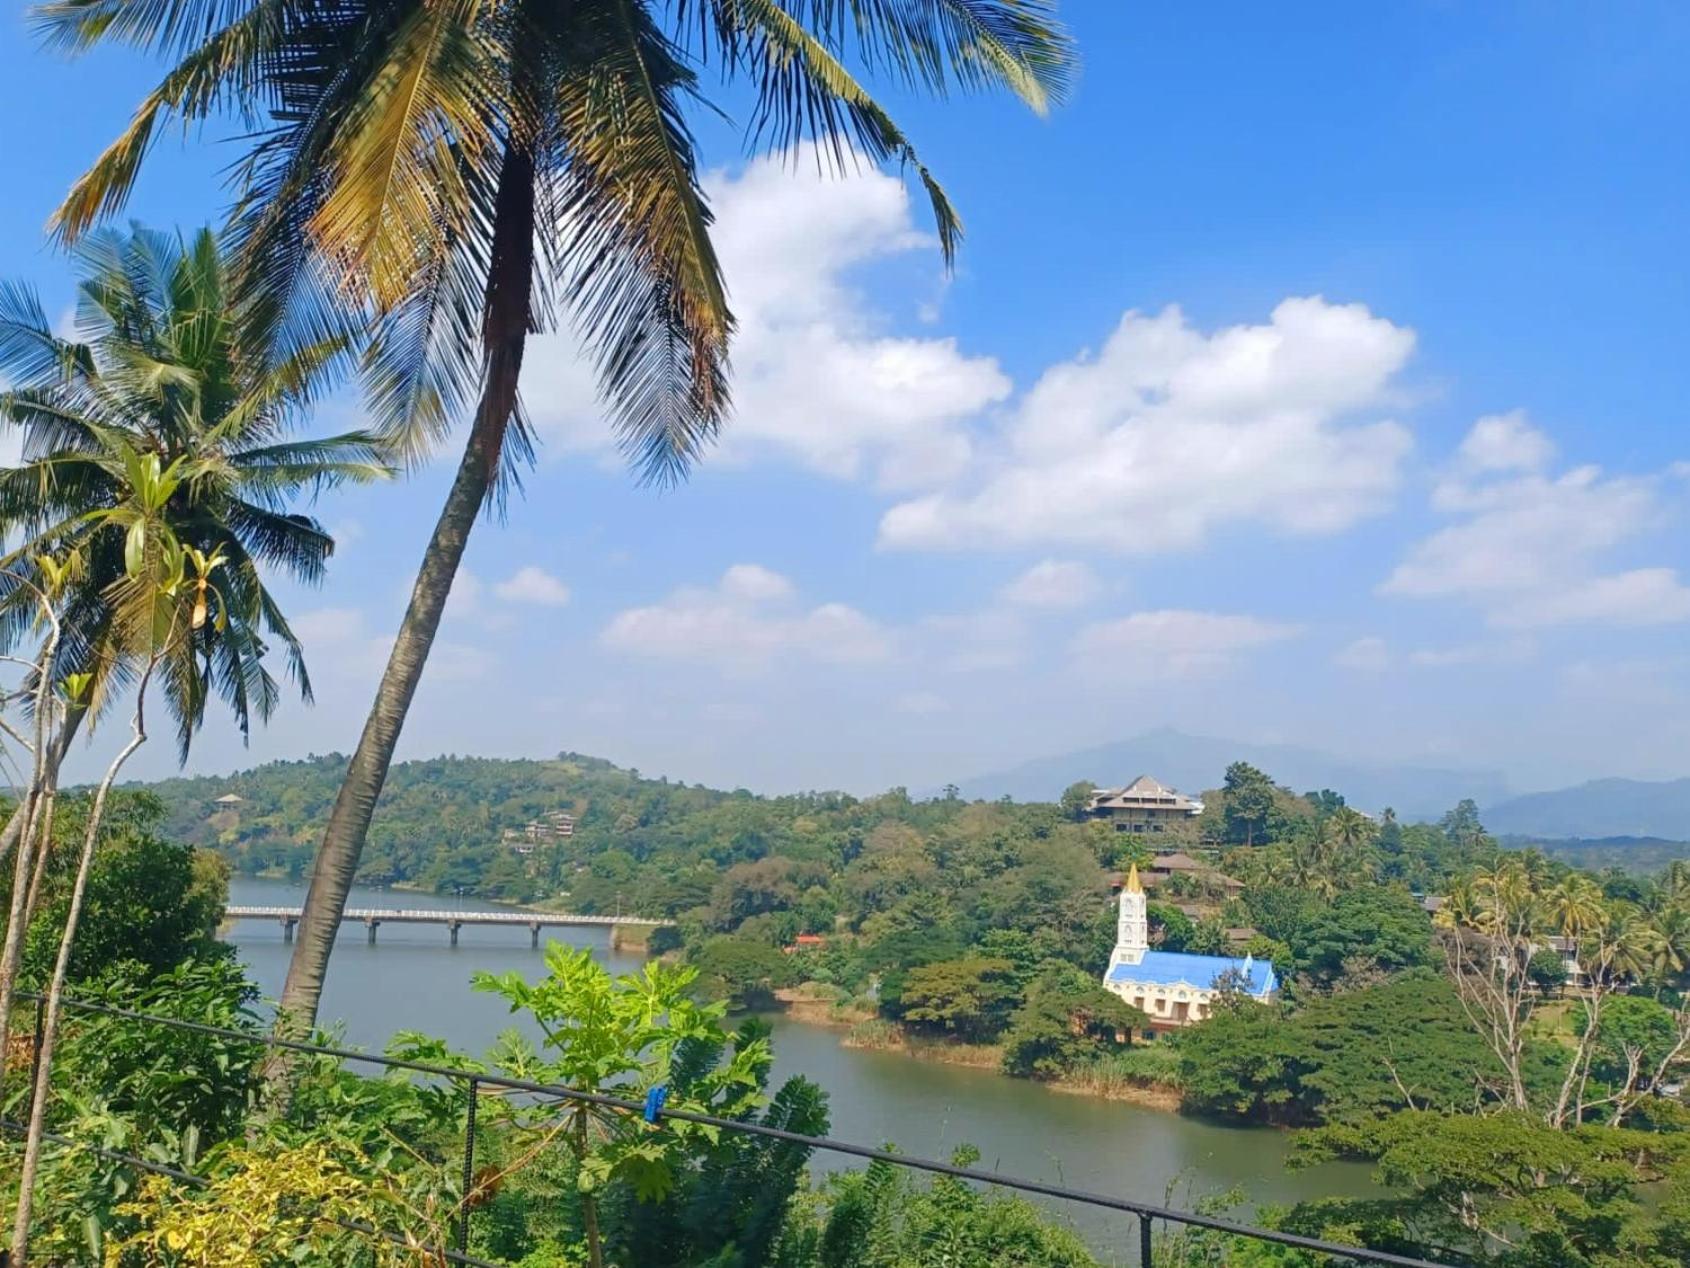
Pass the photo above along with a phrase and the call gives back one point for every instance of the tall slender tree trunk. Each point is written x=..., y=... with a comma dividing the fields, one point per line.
x=17, y=916
x=505, y=327
x=47, y=1041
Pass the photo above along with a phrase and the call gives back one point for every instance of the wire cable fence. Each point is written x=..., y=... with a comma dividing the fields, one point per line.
x=652, y=1109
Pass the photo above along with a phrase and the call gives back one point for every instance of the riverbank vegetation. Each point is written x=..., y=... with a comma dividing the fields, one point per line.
x=1540, y=1001
x=553, y=1186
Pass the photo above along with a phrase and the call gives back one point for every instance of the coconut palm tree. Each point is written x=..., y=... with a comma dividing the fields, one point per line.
x=1636, y=948
x=158, y=379
x=1671, y=925
x=1576, y=908
x=153, y=442
x=1351, y=829
x=456, y=166
x=1675, y=884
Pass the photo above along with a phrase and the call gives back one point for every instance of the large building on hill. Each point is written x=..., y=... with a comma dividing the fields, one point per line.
x=1174, y=988
x=1146, y=806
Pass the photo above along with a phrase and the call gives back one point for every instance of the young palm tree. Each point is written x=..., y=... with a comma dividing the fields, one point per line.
x=154, y=425
x=455, y=166
x=159, y=378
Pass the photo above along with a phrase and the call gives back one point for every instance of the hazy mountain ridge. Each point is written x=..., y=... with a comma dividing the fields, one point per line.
x=1192, y=763
x=1599, y=808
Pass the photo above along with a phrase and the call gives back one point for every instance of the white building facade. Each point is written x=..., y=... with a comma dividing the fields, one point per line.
x=1174, y=988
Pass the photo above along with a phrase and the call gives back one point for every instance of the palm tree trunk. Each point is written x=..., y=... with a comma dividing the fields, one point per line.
x=505, y=326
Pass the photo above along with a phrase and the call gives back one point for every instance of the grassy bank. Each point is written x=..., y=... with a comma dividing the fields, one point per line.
x=1146, y=1075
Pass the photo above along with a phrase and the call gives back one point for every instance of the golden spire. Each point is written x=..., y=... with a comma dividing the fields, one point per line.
x=1132, y=886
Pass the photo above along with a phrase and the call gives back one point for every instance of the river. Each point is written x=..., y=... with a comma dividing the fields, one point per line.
x=412, y=979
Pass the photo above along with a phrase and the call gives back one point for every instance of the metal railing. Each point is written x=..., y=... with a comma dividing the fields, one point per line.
x=1146, y=1214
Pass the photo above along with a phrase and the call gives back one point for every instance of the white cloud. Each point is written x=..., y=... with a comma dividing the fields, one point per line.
x=1509, y=652
x=530, y=584
x=1174, y=643
x=756, y=583
x=1168, y=434
x=1505, y=442
x=338, y=642
x=746, y=622
x=817, y=376
x=1528, y=545
x=1367, y=655
x=1053, y=584
x=467, y=604
x=1643, y=596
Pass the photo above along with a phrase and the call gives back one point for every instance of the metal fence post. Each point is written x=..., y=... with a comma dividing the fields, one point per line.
x=1144, y=1250
x=469, y=1163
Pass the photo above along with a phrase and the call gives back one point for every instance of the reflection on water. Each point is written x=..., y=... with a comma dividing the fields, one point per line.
x=412, y=979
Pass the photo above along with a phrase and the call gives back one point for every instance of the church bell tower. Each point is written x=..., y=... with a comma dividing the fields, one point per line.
x=1132, y=929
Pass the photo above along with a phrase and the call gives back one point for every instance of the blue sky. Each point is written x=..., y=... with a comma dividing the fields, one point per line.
x=1318, y=373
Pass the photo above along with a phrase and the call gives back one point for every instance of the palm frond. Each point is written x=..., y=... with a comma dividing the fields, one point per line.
x=644, y=282
x=30, y=353
x=805, y=91
x=224, y=64
x=397, y=160
x=932, y=44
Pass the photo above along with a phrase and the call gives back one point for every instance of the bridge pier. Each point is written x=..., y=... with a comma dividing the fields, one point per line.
x=372, y=926
x=452, y=927
x=288, y=923
x=534, y=935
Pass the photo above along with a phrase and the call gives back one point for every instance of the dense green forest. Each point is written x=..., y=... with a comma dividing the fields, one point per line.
x=1518, y=1118
x=981, y=923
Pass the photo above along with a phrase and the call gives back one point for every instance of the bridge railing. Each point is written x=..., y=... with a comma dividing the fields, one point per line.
x=1147, y=1215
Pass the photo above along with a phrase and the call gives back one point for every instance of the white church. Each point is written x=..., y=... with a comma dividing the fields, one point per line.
x=1173, y=988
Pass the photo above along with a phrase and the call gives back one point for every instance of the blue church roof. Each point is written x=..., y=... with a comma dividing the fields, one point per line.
x=1167, y=968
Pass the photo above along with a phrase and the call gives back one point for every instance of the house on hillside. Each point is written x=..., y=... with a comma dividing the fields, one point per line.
x=1146, y=806
x=1175, y=988
x=228, y=801
x=553, y=825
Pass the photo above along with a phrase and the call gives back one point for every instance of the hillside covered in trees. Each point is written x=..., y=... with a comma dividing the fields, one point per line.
x=1432, y=1045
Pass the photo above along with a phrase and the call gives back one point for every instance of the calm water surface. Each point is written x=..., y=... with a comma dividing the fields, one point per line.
x=413, y=980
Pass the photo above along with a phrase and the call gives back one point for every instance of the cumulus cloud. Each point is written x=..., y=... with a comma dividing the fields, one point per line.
x=749, y=620
x=818, y=376
x=1053, y=584
x=1528, y=544
x=1505, y=442
x=1170, y=433
x=531, y=584
x=1367, y=655
x=755, y=582
x=1175, y=643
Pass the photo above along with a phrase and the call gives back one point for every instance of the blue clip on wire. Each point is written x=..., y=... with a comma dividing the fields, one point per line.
x=654, y=1100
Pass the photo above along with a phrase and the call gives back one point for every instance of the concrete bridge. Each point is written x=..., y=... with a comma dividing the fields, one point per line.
x=374, y=918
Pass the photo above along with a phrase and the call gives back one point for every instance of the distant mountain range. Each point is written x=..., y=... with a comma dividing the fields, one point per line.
x=1192, y=763
x=1600, y=808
